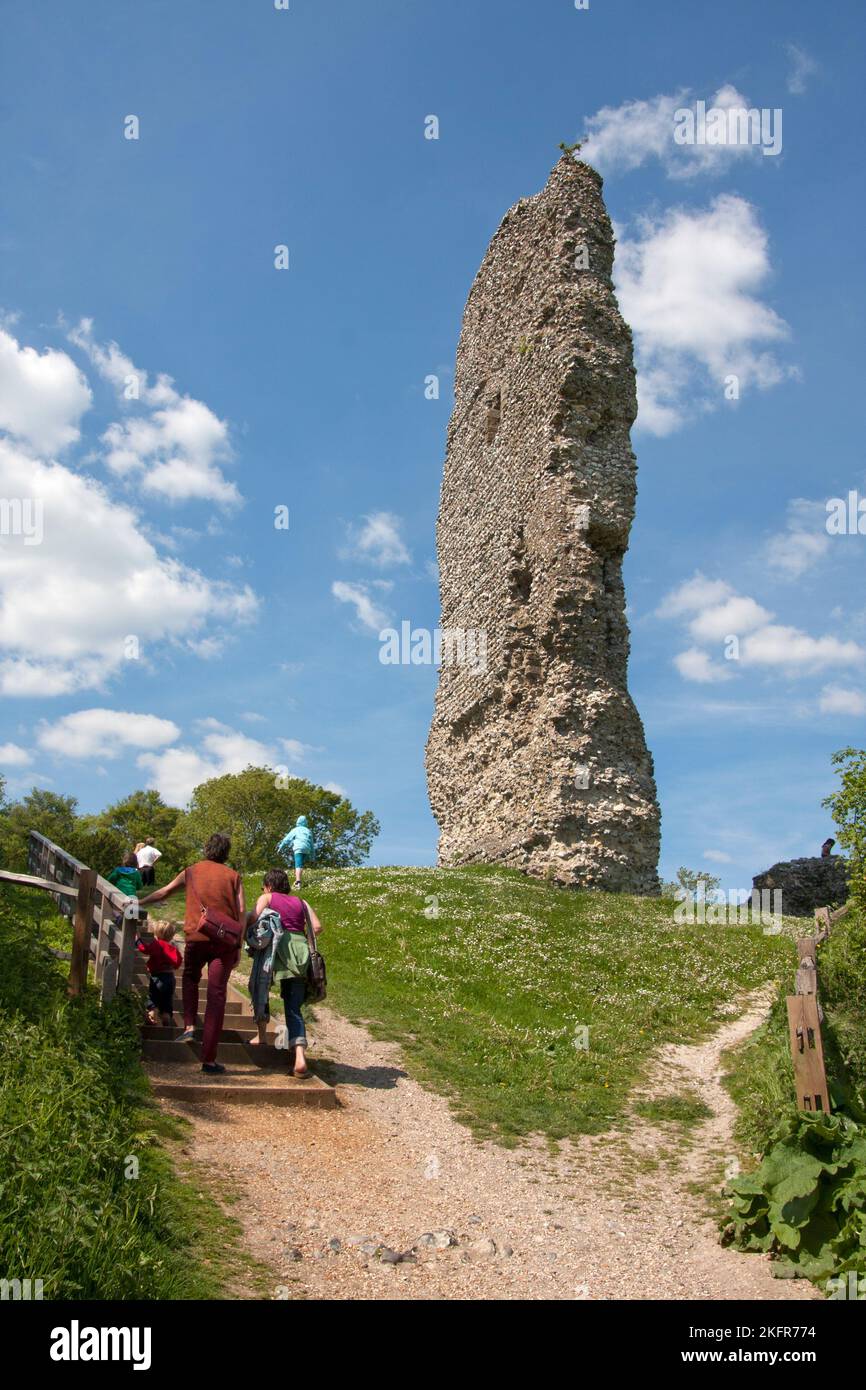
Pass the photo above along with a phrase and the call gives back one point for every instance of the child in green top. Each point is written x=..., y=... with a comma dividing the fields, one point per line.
x=126, y=877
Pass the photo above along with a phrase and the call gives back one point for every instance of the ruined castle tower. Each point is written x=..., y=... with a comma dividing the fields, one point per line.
x=536, y=756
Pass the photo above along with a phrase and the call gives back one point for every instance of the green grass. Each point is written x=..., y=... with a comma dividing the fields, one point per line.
x=685, y=1111
x=488, y=997
x=90, y=1198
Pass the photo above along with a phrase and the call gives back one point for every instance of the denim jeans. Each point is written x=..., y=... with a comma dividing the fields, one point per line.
x=293, y=992
x=162, y=992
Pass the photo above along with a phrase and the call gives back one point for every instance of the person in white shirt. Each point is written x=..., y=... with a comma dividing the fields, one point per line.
x=147, y=855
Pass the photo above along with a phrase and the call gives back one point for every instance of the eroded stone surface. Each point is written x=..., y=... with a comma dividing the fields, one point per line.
x=536, y=757
x=807, y=883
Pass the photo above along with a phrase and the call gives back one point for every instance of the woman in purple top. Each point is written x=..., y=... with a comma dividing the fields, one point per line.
x=291, y=959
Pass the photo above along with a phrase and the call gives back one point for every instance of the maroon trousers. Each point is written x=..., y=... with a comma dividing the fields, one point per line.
x=220, y=964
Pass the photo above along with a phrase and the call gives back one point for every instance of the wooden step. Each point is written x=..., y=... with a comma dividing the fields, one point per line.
x=234, y=1029
x=237, y=1005
x=241, y=1086
x=157, y=1050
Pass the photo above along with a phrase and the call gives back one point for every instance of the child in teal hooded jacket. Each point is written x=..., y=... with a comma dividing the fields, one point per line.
x=300, y=841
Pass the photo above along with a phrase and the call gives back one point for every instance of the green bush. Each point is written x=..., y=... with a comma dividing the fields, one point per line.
x=806, y=1203
x=89, y=1203
x=842, y=974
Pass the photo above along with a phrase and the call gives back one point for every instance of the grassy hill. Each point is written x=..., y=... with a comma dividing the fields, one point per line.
x=488, y=980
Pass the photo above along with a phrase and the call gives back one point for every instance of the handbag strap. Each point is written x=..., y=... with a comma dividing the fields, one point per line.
x=308, y=927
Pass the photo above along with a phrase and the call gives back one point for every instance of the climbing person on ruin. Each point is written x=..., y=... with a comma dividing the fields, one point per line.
x=147, y=855
x=290, y=959
x=300, y=841
x=126, y=878
x=213, y=927
x=163, y=960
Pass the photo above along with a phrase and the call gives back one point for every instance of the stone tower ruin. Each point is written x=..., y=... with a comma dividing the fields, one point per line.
x=536, y=756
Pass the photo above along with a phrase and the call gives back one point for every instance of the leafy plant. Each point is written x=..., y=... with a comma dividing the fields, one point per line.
x=691, y=880
x=848, y=807
x=806, y=1203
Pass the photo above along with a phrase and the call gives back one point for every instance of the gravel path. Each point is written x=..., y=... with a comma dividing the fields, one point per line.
x=331, y=1192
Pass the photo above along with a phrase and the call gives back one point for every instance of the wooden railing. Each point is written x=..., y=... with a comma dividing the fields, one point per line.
x=805, y=1017
x=101, y=933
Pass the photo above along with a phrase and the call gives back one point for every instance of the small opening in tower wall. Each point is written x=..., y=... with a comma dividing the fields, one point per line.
x=494, y=413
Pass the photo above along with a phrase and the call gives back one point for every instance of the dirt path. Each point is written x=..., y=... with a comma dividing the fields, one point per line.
x=597, y=1221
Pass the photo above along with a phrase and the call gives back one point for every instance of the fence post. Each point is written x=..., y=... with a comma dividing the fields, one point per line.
x=126, y=959
x=804, y=1023
x=82, y=923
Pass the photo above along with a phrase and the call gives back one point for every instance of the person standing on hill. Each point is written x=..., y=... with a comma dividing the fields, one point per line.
x=147, y=855
x=210, y=883
x=300, y=841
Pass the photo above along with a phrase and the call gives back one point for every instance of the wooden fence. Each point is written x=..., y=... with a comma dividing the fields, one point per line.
x=805, y=1017
x=93, y=905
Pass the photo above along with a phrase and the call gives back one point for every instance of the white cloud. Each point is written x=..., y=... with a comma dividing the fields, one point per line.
x=366, y=610
x=803, y=543
x=696, y=665
x=379, y=541
x=735, y=616
x=789, y=649
x=105, y=733
x=712, y=612
x=175, y=772
x=621, y=138
x=717, y=856
x=687, y=285
x=336, y=789
x=42, y=396
x=294, y=749
x=69, y=604
x=174, y=450
x=692, y=595
x=11, y=755
x=835, y=699
x=803, y=65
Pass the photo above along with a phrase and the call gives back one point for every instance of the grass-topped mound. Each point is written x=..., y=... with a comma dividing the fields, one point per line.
x=532, y=1007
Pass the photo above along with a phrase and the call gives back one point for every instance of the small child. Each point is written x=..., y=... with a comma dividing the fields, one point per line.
x=126, y=876
x=300, y=841
x=163, y=960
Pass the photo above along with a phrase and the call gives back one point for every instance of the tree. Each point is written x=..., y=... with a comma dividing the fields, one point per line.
x=848, y=808
x=256, y=808
x=51, y=815
x=691, y=880
x=143, y=815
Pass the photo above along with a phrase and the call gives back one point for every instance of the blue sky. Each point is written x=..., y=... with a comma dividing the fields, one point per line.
x=259, y=388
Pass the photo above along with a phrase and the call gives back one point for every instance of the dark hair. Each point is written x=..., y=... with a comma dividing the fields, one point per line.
x=130, y=861
x=217, y=848
x=276, y=880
